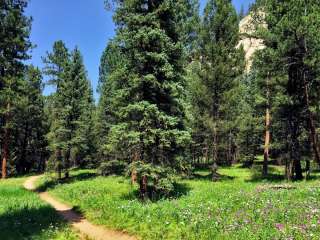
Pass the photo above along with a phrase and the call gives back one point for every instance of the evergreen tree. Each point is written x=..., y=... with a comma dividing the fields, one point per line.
x=56, y=64
x=149, y=119
x=14, y=46
x=291, y=39
x=221, y=64
x=189, y=26
x=79, y=106
x=30, y=125
x=111, y=61
x=71, y=136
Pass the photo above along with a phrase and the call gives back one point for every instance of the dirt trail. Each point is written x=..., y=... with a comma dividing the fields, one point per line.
x=86, y=228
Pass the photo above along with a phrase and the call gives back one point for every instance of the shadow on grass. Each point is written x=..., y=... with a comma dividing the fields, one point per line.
x=313, y=177
x=54, y=182
x=273, y=175
x=180, y=190
x=208, y=177
x=29, y=223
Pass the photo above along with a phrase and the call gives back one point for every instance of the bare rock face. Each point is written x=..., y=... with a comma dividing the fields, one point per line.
x=250, y=45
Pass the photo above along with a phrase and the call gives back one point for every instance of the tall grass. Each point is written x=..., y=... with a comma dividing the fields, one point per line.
x=24, y=216
x=240, y=206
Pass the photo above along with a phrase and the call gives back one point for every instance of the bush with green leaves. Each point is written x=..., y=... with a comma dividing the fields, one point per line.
x=114, y=167
x=155, y=181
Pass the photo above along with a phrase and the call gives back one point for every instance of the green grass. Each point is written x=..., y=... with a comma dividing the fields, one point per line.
x=24, y=216
x=241, y=206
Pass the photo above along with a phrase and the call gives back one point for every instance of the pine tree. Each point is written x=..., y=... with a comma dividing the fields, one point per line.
x=56, y=64
x=78, y=93
x=30, y=126
x=291, y=40
x=189, y=26
x=14, y=46
x=221, y=64
x=70, y=137
x=149, y=89
x=111, y=61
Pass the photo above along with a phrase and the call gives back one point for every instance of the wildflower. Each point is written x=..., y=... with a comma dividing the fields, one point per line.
x=279, y=226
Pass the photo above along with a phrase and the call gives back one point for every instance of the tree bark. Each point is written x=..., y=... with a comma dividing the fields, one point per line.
x=266, y=144
x=6, y=143
x=59, y=163
x=267, y=133
x=214, y=167
x=67, y=163
x=215, y=146
x=296, y=171
x=312, y=128
x=143, y=187
x=134, y=172
x=230, y=160
x=5, y=153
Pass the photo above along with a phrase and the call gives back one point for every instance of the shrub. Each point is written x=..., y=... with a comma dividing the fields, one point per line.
x=113, y=167
x=155, y=181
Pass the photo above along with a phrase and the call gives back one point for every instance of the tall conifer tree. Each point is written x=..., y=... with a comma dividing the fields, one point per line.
x=70, y=137
x=14, y=46
x=291, y=39
x=150, y=85
x=221, y=64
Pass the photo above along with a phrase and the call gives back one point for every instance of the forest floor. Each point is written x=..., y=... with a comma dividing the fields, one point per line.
x=24, y=216
x=240, y=206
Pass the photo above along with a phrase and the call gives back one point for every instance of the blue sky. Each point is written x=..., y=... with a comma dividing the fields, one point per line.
x=82, y=23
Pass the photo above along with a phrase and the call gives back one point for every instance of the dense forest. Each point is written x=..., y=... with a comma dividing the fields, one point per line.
x=177, y=92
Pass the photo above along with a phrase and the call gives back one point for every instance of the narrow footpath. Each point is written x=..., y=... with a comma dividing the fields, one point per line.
x=77, y=221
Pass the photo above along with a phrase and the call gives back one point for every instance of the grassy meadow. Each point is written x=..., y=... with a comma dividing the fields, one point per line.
x=240, y=206
x=23, y=216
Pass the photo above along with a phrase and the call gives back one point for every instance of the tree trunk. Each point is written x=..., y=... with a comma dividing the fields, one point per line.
x=214, y=167
x=215, y=146
x=59, y=163
x=22, y=164
x=5, y=153
x=143, y=187
x=67, y=163
x=134, y=172
x=267, y=133
x=230, y=160
x=6, y=143
x=266, y=144
x=296, y=170
x=308, y=169
x=312, y=128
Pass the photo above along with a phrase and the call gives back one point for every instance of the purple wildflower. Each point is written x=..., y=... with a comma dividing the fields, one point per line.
x=279, y=226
